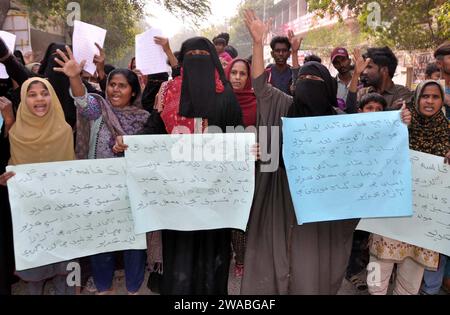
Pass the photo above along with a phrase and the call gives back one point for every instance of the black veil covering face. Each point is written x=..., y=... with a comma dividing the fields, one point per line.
x=198, y=90
x=314, y=97
x=152, y=88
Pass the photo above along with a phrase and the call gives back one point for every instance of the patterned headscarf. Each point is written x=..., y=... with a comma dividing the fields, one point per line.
x=429, y=134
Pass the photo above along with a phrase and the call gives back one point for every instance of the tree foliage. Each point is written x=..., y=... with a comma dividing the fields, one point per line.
x=323, y=40
x=195, y=9
x=240, y=38
x=403, y=24
x=120, y=17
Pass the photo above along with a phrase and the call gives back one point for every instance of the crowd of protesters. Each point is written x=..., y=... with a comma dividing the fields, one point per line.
x=56, y=105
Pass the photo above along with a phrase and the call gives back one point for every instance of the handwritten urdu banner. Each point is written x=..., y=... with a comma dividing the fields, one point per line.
x=348, y=166
x=190, y=182
x=67, y=210
x=429, y=227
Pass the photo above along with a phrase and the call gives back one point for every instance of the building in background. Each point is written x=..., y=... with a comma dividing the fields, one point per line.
x=293, y=15
x=29, y=37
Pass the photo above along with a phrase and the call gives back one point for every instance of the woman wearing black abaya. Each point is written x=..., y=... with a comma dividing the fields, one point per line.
x=283, y=257
x=18, y=73
x=196, y=262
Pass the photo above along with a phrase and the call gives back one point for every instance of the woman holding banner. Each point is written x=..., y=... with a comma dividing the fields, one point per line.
x=99, y=122
x=283, y=257
x=196, y=262
x=9, y=102
x=40, y=134
x=429, y=132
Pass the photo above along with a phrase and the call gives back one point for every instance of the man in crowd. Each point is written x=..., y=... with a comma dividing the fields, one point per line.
x=343, y=64
x=380, y=65
x=280, y=73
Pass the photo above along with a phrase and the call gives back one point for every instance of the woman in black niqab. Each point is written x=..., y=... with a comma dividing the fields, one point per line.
x=314, y=97
x=197, y=262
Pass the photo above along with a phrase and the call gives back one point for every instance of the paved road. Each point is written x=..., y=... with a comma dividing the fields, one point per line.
x=233, y=286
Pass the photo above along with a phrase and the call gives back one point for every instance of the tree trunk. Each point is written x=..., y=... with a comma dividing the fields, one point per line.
x=4, y=8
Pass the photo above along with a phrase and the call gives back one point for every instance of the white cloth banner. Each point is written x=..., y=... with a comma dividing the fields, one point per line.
x=429, y=227
x=190, y=182
x=66, y=210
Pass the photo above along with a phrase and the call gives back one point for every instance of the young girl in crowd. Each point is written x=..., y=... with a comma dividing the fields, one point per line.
x=429, y=133
x=99, y=122
x=40, y=134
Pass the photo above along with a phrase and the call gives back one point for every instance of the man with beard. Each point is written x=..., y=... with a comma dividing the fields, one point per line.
x=442, y=55
x=342, y=63
x=280, y=73
x=380, y=66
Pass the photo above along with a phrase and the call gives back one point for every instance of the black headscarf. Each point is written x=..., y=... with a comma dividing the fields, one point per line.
x=59, y=81
x=152, y=88
x=198, y=90
x=19, y=56
x=314, y=98
x=231, y=51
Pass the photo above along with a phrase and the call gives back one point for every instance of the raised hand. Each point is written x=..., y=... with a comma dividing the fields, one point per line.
x=5, y=104
x=360, y=63
x=69, y=66
x=138, y=72
x=7, y=110
x=295, y=41
x=257, y=28
x=99, y=60
x=405, y=114
x=163, y=42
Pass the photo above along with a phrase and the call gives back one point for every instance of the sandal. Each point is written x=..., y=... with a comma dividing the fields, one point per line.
x=358, y=283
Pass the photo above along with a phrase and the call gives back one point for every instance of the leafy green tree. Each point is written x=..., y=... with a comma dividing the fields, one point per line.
x=120, y=17
x=239, y=36
x=401, y=24
x=194, y=9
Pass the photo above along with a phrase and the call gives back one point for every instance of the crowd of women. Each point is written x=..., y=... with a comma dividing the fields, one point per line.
x=57, y=115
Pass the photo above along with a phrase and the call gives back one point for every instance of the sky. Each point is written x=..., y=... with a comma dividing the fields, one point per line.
x=171, y=25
